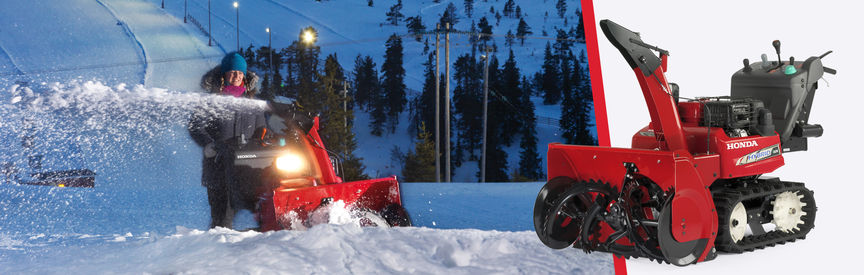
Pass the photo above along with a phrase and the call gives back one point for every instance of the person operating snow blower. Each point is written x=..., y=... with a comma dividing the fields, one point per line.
x=217, y=134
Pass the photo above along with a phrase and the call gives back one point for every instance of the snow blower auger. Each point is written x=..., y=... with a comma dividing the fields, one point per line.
x=297, y=177
x=692, y=184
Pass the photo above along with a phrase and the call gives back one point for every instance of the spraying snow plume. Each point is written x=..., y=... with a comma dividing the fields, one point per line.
x=90, y=124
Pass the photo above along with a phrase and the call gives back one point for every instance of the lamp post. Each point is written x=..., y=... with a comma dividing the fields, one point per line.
x=209, y=26
x=485, y=102
x=237, y=7
x=185, y=10
x=270, y=51
x=163, y=4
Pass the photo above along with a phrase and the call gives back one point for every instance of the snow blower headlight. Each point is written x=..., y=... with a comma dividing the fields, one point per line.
x=291, y=163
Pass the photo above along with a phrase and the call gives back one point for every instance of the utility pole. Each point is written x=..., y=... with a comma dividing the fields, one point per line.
x=209, y=26
x=345, y=102
x=447, y=103
x=485, y=102
x=437, y=104
x=345, y=114
x=237, y=7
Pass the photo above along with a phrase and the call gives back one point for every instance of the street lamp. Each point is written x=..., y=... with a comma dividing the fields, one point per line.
x=185, y=10
x=237, y=7
x=309, y=36
x=270, y=51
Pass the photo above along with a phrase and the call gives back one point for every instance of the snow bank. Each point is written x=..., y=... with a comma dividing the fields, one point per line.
x=337, y=249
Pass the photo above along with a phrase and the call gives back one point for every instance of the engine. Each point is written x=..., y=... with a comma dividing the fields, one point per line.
x=739, y=117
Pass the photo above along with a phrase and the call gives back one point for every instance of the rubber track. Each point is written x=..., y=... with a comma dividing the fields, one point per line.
x=725, y=199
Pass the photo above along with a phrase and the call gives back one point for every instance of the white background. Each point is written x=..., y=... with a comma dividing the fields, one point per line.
x=707, y=42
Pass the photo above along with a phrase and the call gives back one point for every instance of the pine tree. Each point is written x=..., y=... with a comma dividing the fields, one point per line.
x=508, y=39
x=550, y=77
x=424, y=105
x=394, y=15
x=365, y=80
x=486, y=29
x=419, y=164
x=508, y=8
x=337, y=121
x=576, y=109
x=415, y=26
x=449, y=16
x=530, y=163
x=580, y=28
x=496, y=160
x=265, y=92
x=512, y=93
x=371, y=3
x=393, y=81
x=306, y=73
x=500, y=119
x=562, y=44
x=467, y=97
x=518, y=12
x=561, y=6
x=523, y=30
x=249, y=55
x=469, y=7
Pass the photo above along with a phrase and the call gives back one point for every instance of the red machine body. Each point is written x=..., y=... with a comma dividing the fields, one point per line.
x=286, y=198
x=659, y=199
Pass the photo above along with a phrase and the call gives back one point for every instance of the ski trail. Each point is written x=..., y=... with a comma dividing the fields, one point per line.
x=423, y=10
x=131, y=34
x=15, y=66
x=176, y=58
x=322, y=25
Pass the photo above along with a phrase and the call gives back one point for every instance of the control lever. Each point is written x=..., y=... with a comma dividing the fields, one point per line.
x=826, y=69
x=765, y=64
x=776, y=45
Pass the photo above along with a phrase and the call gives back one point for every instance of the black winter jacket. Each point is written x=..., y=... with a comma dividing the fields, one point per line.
x=222, y=127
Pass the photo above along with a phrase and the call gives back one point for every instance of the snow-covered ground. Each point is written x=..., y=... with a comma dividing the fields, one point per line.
x=148, y=212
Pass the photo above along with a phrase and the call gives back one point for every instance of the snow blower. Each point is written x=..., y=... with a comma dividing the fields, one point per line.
x=294, y=176
x=693, y=182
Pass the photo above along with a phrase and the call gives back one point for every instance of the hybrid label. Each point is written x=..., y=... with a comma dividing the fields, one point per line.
x=764, y=153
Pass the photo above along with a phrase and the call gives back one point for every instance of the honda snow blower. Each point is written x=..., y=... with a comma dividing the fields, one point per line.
x=294, y=176
x=693, y=182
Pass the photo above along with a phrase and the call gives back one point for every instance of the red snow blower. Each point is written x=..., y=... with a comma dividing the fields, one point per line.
x=693, y=182
x=296, y=175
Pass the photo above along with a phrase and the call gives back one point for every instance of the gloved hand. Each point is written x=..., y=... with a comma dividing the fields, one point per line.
x=209, y=150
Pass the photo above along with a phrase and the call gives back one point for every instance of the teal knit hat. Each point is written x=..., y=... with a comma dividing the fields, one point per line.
x=233, y=62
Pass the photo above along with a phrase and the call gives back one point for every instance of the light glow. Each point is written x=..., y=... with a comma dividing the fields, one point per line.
x=308, y=36
x=290, y=163
x=235, y=4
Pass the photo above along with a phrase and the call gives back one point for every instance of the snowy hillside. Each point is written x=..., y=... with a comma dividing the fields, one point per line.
x=352, y=28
